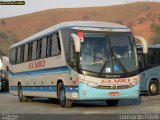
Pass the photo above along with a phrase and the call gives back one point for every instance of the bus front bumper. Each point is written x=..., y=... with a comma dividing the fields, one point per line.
x=89, y=93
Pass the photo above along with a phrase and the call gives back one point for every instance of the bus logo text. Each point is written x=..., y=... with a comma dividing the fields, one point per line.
x=37, y=64
x=115, y=81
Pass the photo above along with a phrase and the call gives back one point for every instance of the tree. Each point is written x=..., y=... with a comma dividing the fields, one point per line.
x=156, y=29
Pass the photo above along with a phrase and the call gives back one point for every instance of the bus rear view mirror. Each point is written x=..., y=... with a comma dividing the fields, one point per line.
x=144, y=43
x=76, y=42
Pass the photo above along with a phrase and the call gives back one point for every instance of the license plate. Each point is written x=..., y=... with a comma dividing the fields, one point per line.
x=114, y=94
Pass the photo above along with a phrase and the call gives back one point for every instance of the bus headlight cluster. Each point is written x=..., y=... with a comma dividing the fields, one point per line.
x=133, y=83
x=88, y=83
x=91, y=84
x=81, y=80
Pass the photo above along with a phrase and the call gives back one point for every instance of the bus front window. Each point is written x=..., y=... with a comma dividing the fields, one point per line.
x=103, y=53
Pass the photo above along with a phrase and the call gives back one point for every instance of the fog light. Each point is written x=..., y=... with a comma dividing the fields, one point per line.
x=74, y=95
x=84, y=92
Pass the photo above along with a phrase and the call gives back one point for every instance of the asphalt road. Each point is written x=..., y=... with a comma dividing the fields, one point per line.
x=144, y=108
x=10, y=104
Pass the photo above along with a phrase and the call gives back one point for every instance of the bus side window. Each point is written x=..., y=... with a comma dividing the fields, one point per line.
x=16, y=55
x=26, y=53
x=158, y=57
x=152, y=57
x=49, y=45
x=155, y=54
x=12, y=56
x=30, y=51
x=56, y=48
x=141, y=59
x=22, y=54
x=34, y=50
x=39, y=48
x=44, y=46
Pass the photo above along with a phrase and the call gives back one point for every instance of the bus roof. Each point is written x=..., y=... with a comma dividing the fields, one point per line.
x=80, y=25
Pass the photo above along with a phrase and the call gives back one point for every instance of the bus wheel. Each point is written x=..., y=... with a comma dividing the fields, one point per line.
x=64, y=102
x=112, y=102
x=153, y=87
x=20, y=94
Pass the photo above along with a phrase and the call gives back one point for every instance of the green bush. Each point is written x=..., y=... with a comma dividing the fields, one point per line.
x=156, y=29
x=119, y=22
x=3, y=35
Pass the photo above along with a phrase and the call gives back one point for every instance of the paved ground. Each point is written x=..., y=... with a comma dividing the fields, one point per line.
x=10, y=104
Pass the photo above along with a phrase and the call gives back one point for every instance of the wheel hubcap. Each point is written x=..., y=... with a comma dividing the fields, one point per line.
x=153, y=88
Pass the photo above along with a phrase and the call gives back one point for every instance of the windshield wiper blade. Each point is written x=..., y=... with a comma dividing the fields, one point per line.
x=103, y=67
x=119, y=63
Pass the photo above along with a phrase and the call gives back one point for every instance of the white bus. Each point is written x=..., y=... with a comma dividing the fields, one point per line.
x=77, y=60
x=150, y=69
x=4, y=61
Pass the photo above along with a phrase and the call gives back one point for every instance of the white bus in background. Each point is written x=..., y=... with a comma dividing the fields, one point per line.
x=4, y=62
x=150, y=69
x=77, y=60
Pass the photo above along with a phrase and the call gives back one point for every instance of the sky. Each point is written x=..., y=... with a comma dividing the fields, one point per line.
x=40, y=5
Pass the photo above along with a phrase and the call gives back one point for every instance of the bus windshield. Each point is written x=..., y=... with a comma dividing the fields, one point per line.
x=106, y=53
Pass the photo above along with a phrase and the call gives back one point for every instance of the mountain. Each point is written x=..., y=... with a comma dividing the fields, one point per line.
x=143, y=18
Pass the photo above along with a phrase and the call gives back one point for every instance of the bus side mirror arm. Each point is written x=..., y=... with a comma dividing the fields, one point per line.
x=144, y=44
x=76, y=42
x=77, y=49
x=145, y=48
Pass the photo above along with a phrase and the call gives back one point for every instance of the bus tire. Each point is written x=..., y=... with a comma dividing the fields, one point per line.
x=21, y=97
x=64, y=102
x=112, y=102
x=153, y=87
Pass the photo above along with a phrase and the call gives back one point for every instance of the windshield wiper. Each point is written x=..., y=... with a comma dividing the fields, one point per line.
x=119, y=63
x=103, y=66
x=114, y=57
